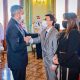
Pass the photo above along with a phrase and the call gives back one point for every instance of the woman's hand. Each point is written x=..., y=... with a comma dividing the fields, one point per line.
x=53, y=67
x=55, y=59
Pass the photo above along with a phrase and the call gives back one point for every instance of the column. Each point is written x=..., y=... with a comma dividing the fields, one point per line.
x=28, y=14
x=5, y=14
x=78, y=8
x=66, y=5
x=49, y=6
x=54, y=6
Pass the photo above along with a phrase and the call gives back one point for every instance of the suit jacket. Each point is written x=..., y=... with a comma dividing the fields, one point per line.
x=48, y=44
x=70, y=46
x=16, y=46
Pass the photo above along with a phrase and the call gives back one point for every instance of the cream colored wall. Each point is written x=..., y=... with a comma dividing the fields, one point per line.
x=33, y=9
x=40, y=9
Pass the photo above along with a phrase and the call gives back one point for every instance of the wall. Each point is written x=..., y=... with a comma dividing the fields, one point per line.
x=60, y=9
x=33, y=9
x=1, y=12
x=71, y=6
x=10, y=4
x=39, y=9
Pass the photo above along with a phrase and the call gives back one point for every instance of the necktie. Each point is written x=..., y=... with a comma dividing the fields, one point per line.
x=21, y=30
x=20, y=26
x=38, y=24
x=46, y=33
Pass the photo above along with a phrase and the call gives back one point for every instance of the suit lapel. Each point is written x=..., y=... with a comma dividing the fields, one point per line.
x=47, y=37
x=43, y=36
x=17, y=26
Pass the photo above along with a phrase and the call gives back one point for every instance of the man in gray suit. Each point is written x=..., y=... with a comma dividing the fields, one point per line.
x=48, y=39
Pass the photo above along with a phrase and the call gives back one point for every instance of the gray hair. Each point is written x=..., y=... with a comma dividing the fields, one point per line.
x=14, y=9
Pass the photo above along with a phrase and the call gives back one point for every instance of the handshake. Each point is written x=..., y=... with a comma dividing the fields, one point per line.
x=27, y=39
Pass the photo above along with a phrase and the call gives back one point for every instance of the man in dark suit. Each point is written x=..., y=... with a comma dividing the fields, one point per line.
x=16, y=46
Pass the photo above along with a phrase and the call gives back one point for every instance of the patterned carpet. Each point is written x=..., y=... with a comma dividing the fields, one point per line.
x=34, y=71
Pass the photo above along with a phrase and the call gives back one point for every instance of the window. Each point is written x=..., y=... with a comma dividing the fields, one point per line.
x=72, y=7
x=11, y=3
x=1, y=12
x=60, y=9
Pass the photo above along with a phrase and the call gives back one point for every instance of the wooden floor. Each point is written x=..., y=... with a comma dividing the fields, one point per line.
x=34, y=71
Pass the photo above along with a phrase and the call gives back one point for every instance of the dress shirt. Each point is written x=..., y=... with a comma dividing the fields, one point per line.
x=47, y=31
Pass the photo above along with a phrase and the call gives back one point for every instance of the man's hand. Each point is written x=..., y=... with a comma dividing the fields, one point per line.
x=27, y=39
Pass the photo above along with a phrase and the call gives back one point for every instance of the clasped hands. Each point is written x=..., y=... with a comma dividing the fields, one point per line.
x=55, y=63
x=27, y=39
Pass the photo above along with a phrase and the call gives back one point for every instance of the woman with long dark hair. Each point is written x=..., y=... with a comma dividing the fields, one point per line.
x=67, y=51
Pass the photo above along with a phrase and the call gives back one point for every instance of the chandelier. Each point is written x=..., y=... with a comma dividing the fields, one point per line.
x=40, y=1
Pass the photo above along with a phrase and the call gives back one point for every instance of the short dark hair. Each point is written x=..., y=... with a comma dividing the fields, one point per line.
x=57, y=26
x=14, y=9
x=52, y=18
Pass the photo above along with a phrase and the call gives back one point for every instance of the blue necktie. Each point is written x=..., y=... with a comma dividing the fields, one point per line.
x=46, y=33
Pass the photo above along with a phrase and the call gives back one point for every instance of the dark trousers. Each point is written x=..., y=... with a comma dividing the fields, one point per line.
x=39, y=50
x=63, y=72
x=73, y=73
x=19, y=74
